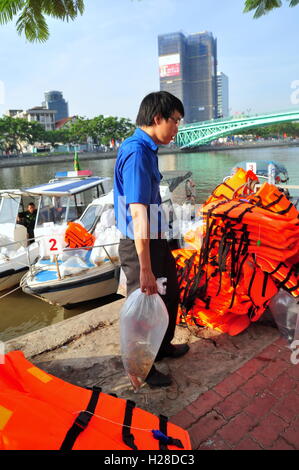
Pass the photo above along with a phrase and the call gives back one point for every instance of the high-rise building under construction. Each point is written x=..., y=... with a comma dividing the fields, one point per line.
x=188, y=70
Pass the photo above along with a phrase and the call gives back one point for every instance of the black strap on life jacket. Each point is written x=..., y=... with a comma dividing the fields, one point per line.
x=285, y=211
x=239, y=219
x=163, y=443
x=163, y=428
x=82, y=421
x=273, y=203
x=250, y=286
x=127, y=436
x=292, y=289
x=284, y=282
x=278, y=268
x=266, y=276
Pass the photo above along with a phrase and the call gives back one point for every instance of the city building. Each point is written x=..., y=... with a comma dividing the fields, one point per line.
x=12, y=112
x=222, y=95
x=188, y=69
x=46, y=117
x=54, y=101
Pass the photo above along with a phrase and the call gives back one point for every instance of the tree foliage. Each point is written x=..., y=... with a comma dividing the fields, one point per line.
x=291, y=129
x=14, y=132
x=31, y=15
x=261, y=7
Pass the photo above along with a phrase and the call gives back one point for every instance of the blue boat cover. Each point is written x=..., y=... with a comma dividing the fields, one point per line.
x=44, y=276
x=65, y=187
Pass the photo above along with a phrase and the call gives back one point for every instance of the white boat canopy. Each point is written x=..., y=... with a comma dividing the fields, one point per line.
x=65, y=188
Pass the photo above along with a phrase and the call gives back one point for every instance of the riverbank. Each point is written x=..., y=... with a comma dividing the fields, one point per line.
x=27, y=160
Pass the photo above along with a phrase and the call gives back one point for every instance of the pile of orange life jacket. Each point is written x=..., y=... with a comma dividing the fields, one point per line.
x=77, y=236
x=250, y=249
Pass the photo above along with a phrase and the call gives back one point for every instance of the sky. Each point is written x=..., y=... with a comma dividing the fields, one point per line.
x=106, y=61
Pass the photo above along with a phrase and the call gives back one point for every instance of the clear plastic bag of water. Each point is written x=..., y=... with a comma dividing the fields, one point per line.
x=143, y=323
x=285, y=310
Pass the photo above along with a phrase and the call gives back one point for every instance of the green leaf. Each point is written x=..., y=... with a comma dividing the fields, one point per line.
x=261, y=7
x=31, y=15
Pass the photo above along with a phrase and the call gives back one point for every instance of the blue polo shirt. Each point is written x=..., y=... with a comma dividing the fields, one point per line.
x=136, y=180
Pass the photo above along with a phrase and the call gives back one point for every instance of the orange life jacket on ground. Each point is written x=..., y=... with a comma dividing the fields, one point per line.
x=40, y=411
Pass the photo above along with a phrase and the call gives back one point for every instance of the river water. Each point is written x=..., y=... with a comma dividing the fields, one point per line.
x=21, y=313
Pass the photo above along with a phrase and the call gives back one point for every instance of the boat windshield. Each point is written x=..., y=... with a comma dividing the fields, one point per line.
x=51, y=209
x=62, y=209
x=9, y=207
x=91, y=216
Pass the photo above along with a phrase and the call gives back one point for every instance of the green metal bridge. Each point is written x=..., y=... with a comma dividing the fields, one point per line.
x=199, y=133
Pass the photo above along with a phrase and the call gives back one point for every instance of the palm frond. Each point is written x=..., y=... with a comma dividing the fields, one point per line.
x=9, y=8
x=263, y=7
x=33, y=23
x=31, y=15
x=63, y=9
x=251, y=5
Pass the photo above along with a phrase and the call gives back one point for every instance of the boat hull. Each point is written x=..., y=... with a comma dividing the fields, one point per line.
x=13, y=269
x=76, y=289
x=11, y=278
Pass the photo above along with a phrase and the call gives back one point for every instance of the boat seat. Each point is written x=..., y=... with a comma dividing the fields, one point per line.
x=20, y=235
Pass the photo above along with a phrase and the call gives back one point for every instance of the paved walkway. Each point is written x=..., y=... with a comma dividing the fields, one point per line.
x=254, y=408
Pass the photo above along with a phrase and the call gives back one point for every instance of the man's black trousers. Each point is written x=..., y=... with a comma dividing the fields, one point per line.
x=163, y=265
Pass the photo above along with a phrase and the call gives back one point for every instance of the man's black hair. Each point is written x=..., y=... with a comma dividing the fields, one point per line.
x=31, y=204
x=158, y=103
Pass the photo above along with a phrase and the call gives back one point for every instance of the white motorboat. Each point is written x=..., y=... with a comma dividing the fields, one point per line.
x=15, y=253
x=78, y=275
x=63, y=199
x=72, y=276
x=273, y=172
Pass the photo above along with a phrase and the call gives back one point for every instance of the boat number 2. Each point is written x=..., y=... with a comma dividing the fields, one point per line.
x=53, y=246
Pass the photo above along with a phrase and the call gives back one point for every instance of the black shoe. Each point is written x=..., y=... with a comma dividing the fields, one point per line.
x=174, y=351
x=157, y=379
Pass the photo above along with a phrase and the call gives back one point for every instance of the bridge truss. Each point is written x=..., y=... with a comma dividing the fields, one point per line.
x=192, y=135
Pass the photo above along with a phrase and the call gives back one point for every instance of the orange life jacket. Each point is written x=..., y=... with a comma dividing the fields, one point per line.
x=40, y=411
x=77, y=236
x=284, y=272
x=233, y=186
x=268, y=196
x=265, y=228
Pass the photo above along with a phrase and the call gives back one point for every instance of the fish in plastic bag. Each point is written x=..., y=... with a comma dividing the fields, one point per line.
x=143, y=323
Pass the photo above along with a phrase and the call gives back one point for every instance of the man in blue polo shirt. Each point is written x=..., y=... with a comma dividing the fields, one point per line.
x=144, y=253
